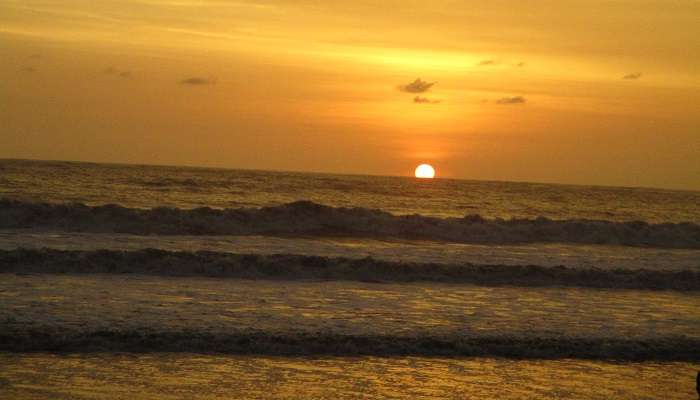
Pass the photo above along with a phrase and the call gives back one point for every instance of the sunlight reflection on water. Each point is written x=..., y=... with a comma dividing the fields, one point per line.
x=193, y=376
x=183, y=187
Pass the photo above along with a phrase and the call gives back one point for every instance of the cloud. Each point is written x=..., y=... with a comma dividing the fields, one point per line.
x=28, y=69
x=634, y=75
x=197, y=81
x=114, y=71
x=491, y=63
x=511, y=100
x=417, y=86
x=424, y=100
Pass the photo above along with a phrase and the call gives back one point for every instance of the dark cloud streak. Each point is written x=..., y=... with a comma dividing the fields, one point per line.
x=197, y=81
x=635, y=75
x=424, y=100
x=511, y=100
x=493, y=63
x=417, y=86
x=119, y=73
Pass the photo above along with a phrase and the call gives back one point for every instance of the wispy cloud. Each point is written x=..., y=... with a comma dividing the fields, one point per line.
x=417, y=86
x=119, y=73
x=634, y=75
x=511, y=100
x=494, y=63
x=197, y=81
x=424, y=100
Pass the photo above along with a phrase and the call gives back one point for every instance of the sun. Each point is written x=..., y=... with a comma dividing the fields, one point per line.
x=425, y=171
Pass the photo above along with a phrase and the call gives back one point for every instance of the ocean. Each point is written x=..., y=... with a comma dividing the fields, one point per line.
x=166, y=282
x=138, y=186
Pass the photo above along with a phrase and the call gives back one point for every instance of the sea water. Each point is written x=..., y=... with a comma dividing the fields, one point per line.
x=349, y=337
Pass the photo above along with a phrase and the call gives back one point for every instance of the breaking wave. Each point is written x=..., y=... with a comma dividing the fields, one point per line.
x=311, y=219
x=298, y=267
x=327, y=343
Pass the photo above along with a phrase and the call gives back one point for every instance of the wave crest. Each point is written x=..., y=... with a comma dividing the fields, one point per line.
x=308, y=218
x=328, y=343
x=297, y=267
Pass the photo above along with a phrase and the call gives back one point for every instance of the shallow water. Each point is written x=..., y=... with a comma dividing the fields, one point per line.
x=146, y=303
x=569, y=255
x=201, y=376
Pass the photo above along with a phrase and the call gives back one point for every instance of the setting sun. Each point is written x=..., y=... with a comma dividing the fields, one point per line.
x=425, y=171
x=243, y=168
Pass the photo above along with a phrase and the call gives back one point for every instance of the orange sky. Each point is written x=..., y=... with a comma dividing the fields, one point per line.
x=592, y=92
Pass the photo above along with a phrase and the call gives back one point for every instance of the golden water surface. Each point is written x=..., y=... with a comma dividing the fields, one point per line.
x=192, y=376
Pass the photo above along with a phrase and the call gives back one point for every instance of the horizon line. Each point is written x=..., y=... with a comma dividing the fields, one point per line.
x=465, y=179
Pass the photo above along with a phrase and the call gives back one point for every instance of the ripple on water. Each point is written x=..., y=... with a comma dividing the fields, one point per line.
x=193, y=376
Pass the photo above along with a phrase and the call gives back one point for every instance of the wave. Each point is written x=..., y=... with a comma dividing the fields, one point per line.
x=298, y=267
x=298, y=343
x=311, y=219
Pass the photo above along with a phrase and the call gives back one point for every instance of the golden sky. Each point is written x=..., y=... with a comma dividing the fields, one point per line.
x=590, y=92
